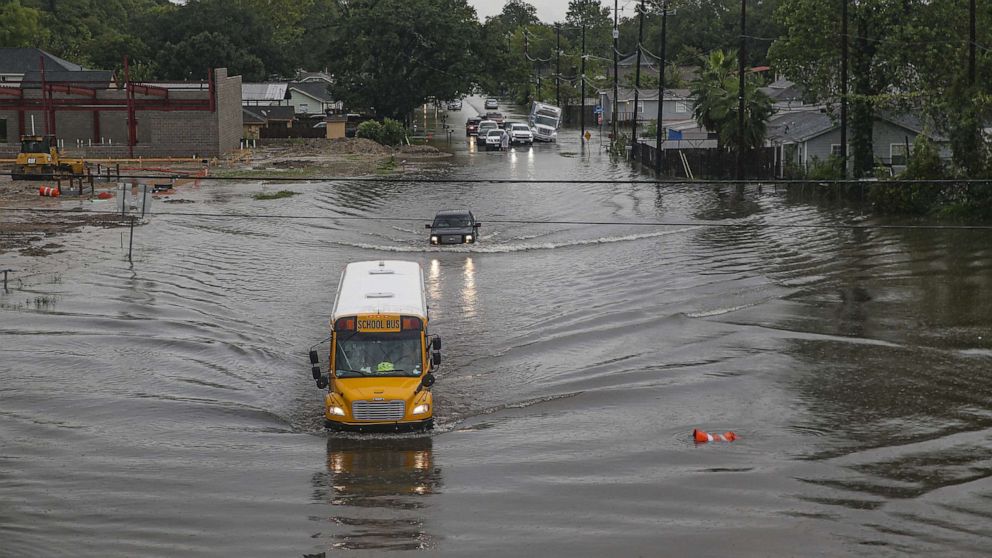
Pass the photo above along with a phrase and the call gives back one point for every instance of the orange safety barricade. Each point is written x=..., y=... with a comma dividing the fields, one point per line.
x=701, y=437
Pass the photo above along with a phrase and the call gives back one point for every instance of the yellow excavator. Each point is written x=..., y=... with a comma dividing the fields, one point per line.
x=40, y=158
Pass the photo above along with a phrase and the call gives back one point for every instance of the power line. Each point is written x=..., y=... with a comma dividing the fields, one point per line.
x=839, y=226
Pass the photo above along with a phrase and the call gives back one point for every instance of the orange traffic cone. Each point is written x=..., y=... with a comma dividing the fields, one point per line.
x=49, y=191
x=701, y=437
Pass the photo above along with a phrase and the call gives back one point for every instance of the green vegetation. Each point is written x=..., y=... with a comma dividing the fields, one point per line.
x=389, y=132
x=717, y=102
x=275, y=195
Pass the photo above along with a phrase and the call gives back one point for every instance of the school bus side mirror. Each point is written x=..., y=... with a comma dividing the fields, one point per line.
x=436, y=358
x=427, y=226
x=428, y=380
x=436, y=344
x=314, y=359
x=316, y=372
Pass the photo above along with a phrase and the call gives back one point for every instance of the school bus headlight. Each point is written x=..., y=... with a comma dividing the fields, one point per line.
x=421, y=409
x=335, y=410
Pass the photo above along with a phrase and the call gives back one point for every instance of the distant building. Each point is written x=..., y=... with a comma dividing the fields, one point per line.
x=677, y=105
x=802, y=137
x=95, y=116
x=15, y=62
x=263, y=94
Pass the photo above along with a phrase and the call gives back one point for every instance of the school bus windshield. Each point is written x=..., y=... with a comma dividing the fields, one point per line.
x=361, y=354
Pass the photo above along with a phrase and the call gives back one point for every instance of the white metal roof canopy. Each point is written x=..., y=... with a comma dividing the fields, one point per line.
x=381, y=287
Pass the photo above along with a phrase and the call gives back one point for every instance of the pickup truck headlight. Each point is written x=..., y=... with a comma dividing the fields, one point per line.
x=468, y=238
x=433, y=239
x=421, y=409
x=335, y=410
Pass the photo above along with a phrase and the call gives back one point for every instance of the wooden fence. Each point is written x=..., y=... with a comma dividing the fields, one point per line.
x=706, y=163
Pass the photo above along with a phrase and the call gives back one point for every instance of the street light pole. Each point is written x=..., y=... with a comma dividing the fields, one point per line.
x=843, y=87
x=637, y=82
x=740, y=93
x=616, y=75
x=660, y=160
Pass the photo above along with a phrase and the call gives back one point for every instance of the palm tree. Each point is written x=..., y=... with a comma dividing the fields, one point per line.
x=716, y=107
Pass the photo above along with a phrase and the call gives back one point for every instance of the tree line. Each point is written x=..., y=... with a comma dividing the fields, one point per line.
x=389, y=56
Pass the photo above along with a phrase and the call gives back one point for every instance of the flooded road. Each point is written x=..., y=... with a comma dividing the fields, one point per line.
x=167, y=408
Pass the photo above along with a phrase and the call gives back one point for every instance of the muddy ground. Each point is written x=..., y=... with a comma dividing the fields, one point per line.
x=36, y=234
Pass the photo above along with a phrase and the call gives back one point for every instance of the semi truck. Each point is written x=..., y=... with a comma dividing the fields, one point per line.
x=544, y=120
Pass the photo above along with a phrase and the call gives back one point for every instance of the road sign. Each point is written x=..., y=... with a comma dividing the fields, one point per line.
x=588, y=135
x=597, y=110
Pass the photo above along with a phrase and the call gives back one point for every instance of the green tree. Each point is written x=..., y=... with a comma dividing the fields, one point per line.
x=717, y=102
x=392, y=55
x=21, y=26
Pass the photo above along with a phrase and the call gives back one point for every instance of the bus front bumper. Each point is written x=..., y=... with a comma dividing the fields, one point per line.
x=405, y=426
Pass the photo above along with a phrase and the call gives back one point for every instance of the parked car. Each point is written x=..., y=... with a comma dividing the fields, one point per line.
x=493, y=139
x=520, y=133
x=492, y=104
x=472, y=126
x=496, y=117
x=455, y=105
x=454, y=226
x=485, y=126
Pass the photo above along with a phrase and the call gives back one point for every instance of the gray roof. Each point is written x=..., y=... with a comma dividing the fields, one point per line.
x=263, y=91
x=316, y=89
x=267, y=113
x=16, y=60
x=250, y=117
x=800, y=126
x=94, y=79
x=783, y=90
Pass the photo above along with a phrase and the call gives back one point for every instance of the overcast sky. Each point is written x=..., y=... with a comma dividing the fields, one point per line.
x=548, y=11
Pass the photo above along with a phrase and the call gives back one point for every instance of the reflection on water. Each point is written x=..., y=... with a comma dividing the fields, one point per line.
x=468, y=290
x=378, y=489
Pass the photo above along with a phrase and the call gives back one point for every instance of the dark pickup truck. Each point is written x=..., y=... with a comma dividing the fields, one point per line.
x=454, y=226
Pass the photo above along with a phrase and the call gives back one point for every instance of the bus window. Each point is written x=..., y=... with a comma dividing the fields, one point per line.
x=379, y=354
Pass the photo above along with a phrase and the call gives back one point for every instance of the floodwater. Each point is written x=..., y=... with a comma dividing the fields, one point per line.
x=167, y=409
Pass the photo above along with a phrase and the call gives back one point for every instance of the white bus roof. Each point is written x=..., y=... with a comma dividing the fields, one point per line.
x=381, y=287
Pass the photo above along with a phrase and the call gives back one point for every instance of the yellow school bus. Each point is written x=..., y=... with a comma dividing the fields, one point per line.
x=382, y=359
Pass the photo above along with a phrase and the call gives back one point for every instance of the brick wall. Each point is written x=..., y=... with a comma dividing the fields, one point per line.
x=159, y=133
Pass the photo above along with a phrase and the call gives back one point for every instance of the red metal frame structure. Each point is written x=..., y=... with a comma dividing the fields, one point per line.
x=81, y=98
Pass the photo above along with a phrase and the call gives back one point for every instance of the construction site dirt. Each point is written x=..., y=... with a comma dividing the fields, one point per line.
x=31, y=233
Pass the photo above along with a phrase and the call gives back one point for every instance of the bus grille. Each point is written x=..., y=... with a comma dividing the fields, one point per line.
x=378, y=410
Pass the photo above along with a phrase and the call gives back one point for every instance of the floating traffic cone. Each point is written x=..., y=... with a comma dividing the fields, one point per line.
x=49, y=191
x=701, y=437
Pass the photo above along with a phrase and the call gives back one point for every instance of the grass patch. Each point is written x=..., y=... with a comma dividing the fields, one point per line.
x=275, y=195
x=386, y=167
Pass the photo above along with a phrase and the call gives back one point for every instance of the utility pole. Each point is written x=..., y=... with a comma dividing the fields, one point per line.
x=843, y=87
x=527, y=57
x=616, y=65
x=637, y=80
x=740, y=94
x=582, y=76
x=971, y=43
x=558, y=65
x=659, y=161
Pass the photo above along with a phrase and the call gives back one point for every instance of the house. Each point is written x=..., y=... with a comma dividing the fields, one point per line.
x=15, y=62
x=677, y=105
x=267, y=117
x=627, y=69
x=784, y=94
x=802, y=137
x=252, y=122
x=263, y=94
x=314, y=77
x=311, y=98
